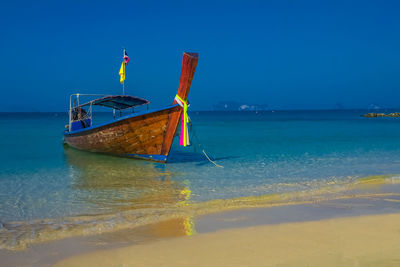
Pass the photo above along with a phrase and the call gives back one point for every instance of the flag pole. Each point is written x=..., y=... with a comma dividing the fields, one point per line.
x=123, y=84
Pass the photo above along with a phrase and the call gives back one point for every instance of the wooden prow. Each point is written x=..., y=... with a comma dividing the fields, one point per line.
x=189, y=63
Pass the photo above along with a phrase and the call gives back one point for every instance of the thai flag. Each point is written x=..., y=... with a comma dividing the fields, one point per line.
x=126, y=58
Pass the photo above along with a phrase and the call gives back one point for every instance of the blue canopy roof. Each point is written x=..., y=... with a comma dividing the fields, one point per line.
x=118, y=102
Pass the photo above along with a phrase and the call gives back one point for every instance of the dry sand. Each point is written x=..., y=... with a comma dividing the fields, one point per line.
x=355, y=241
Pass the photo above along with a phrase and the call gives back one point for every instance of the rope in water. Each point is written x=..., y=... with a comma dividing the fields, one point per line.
x=213, y=162
x=194, y=135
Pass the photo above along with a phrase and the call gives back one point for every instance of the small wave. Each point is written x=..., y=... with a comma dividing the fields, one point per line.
x=19, y=235
x=379, y=179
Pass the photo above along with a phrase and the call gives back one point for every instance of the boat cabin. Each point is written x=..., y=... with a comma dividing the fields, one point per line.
x=81, y=115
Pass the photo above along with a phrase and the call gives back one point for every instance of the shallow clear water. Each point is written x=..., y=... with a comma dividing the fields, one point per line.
x=43, y=183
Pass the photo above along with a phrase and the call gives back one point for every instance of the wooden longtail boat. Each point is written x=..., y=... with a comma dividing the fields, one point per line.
x=146, y=135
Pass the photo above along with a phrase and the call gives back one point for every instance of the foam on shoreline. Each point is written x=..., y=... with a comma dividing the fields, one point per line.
x=19, y=235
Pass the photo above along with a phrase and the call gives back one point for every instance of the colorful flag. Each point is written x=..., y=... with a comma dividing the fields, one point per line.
x=122, y=73
x=126, y=58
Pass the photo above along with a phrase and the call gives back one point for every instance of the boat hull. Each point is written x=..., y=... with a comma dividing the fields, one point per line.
x=147, y=135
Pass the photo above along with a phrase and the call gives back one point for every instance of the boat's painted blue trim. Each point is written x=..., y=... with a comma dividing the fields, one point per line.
x=153, y=157
x=77, y=125
x=119, y=119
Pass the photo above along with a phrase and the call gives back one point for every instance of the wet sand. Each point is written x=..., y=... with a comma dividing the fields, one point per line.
x=214, y=228
x=372, y=240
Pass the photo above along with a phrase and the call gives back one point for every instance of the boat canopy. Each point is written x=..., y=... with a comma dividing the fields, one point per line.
x=118, y=102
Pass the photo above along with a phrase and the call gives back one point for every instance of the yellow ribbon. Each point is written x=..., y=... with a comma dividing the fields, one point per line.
x=185, y=117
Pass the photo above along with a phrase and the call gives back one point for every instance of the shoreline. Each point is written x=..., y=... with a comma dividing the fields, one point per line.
x=20, y=235
x=48, y=253
x=369, y=240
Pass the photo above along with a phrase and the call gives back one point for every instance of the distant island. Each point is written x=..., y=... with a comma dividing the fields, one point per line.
x=236, y=106
x=377, y=115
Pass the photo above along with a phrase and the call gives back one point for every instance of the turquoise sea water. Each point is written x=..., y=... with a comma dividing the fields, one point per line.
x=48, y=191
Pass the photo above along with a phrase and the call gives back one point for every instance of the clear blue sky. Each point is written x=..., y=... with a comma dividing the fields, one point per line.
x=288, y=54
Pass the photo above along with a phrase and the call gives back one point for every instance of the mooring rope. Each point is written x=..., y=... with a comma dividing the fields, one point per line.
x=213, y=162
x=194, y=135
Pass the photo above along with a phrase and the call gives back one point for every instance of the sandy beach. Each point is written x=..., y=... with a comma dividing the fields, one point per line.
x=372, y=240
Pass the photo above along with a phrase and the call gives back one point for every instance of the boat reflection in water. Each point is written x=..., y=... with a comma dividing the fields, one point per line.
x=112, y=185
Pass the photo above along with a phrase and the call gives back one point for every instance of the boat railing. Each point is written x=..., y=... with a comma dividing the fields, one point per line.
x=75, y=107
x=81, y=115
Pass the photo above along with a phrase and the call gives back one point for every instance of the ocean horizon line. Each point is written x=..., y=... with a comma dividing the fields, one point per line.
x=239, y=111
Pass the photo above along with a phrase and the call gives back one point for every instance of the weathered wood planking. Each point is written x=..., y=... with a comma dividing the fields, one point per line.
x=143, y=134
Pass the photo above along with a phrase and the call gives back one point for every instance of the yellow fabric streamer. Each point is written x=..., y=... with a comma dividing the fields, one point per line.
x=185, y=119
x=122, y=73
